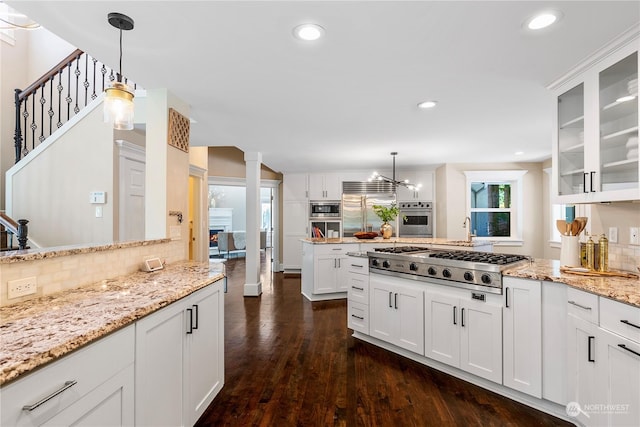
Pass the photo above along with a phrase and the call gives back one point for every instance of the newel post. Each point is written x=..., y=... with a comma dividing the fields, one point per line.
x=22, y=233
x=17, y=137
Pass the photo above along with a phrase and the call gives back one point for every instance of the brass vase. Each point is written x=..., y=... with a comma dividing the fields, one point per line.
x=386, y=230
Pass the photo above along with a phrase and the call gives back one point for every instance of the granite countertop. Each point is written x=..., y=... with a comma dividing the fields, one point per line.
x=41, y=330
x=403, y=240
x=620, y=289
x=8, y=257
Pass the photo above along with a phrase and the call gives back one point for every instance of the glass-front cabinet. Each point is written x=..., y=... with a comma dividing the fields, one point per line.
x=595, y=156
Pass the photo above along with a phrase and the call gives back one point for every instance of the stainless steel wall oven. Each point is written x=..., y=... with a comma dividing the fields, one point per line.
x=416, y=219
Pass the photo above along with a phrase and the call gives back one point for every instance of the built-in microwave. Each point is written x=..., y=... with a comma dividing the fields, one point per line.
x=324, y=209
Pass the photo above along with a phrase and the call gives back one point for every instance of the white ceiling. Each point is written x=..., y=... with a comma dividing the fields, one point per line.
x=348, y=100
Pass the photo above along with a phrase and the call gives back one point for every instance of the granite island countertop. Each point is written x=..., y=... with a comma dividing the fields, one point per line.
x=44, y=329
x=436, y=241
x=621, y=289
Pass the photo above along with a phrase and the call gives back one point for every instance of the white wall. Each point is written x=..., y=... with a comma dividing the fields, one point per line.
x=52, y=190
x=451, y=204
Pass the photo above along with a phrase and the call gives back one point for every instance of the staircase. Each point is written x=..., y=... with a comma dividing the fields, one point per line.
x=10, y=230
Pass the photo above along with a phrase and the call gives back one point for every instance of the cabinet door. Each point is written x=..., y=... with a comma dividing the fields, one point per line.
x=295, y=186
x=522, y=328
x=110, y=404
x=159, y=367
x=295, y=221
x=333, y=186
x=481, y=340
x=441, y=324
x=409, y=304
x=316, y=187
x=382, y=314
x=325, y=274
x=342, y=274
x=582, y=364
x=618, y=379
x=204, y=351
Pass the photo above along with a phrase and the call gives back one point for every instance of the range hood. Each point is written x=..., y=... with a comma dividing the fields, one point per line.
x=366, y=187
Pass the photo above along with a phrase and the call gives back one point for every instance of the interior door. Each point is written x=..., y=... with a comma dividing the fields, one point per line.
x=132, y=187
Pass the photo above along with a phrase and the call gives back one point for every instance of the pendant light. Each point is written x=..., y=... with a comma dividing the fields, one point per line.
x=377, y=177
x=118, y=99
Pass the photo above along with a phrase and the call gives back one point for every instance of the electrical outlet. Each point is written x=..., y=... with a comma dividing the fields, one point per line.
x=613, y=234
x=634, y=236
x=21, y=287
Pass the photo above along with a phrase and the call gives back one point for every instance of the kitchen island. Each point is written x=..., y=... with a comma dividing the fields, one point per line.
x=325, y=263
x=115, y=324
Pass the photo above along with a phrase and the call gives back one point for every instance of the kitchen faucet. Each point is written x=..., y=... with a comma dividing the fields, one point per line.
x=467, y=224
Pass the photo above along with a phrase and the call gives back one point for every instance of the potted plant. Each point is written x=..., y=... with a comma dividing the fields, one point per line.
x=386, y=215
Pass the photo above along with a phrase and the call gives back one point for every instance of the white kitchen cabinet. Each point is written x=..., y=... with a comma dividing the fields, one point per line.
x=424, y=193
x=294, y=229
x=295, y=186
x=358, y=294
x=522, y=335
x=95, y=386
x=325, y=186
x=179, y=359
x=397, y=312
x=464, y=332
x=554, y=342
x=325, y=272
x=593, y=157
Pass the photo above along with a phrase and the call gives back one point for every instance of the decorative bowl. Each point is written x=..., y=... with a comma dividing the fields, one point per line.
x=365, y=234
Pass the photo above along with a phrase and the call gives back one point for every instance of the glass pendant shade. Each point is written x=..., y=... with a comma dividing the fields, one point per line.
x=118, y=106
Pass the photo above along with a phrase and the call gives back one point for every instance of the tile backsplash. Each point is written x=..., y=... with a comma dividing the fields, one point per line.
x=624, y=257
x=83, y=267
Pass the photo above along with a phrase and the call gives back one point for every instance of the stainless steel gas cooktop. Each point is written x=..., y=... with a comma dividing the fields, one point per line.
x=466, y=269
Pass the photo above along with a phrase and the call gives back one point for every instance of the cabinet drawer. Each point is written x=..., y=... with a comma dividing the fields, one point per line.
x=358, y=290
x=623, y=319
x=88, y=367
x=358, y=317
x=331, y=249
x=582, y=305
x=358, y=265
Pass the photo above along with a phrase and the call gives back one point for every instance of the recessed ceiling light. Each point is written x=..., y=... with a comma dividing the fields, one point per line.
x=542, y=20
x=308, y=32
x=519, y=153
x=427, y=104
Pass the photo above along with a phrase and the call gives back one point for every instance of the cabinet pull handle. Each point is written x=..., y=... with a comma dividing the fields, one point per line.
x=356, y=265
x=584, y=182
x=67, y=384
x=589, y=356
x=357, y=317
x=195, y=309
x=339, y=263
x=336, y=249
x=390, y=305
x=506, y=297
x=584, y=307
x=463, y=317
x=591, y=178
x=626, y=322
x=355, y=287
x=190, y=330
x=455, y=308
x=395, y=297
x=624, y=347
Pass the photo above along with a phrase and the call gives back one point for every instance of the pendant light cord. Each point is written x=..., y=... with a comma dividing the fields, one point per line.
x=120, y=73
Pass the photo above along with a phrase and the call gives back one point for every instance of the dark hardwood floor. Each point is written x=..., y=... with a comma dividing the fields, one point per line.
x=290, y=362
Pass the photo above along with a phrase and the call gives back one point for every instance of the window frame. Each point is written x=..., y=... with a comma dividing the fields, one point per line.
x=515, y=179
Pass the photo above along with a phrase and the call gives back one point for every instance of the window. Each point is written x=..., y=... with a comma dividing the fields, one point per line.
x=494, y=204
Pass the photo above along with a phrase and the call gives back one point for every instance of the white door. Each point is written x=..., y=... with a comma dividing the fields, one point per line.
x=383, y=315
x=583, y=345
x=325, y=274
x=132, y=188
x=481, y=340
x=441, y=325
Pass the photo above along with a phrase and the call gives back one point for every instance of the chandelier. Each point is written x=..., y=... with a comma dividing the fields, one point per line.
x=404, y=183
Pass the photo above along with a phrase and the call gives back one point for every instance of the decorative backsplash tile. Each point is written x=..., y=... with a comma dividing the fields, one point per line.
x=624, y=257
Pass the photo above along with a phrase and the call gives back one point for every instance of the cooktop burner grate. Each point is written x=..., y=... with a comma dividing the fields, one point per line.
x=479, y=257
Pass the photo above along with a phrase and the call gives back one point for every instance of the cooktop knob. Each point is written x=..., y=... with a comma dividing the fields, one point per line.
x=468, y=276
x=374, y=262
x=486, y=279
x=413, y=266
x=446, y=273
x=432, y=271
x=386, y=264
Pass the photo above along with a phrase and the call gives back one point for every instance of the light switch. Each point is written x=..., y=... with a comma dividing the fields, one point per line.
x=98, y=211
x=99, y=197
